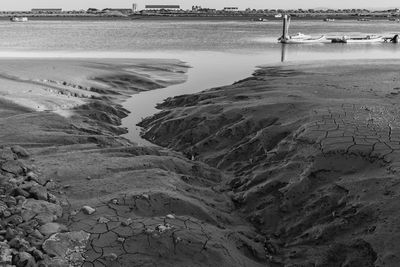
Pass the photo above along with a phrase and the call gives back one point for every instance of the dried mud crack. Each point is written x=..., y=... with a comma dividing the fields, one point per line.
x=107, y=201
x=313, y=167
x=290, y=167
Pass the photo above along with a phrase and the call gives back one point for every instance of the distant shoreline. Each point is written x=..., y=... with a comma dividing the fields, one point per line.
x=213, y=18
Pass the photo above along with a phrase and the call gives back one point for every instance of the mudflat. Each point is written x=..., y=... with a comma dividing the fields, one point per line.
x=294, y=166
x=122, y=205
x=312, y=155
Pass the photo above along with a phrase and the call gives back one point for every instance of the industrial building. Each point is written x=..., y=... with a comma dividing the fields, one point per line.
x=121, y=10
x=46, y=10
x=231, y=9
x=162, y=7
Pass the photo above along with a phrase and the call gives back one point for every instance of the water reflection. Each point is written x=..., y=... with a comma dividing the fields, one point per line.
x=312, y=52
x=283, y=52
x=211, y=69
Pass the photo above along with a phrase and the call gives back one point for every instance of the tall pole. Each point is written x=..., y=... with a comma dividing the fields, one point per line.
x=285, y=27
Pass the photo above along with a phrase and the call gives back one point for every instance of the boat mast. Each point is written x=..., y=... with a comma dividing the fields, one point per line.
x=286, y=22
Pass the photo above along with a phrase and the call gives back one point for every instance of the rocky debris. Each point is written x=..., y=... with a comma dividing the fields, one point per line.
x=42, y=211
x=88, y=210
x=103, y=220
x=31, y=176
x=52, y=228
x=127, y=222
x=39, y=192
x=161, y=228
x=24, y=259
x=20, y=151
x=27, y=216
x=7, y=154
x=170, y=216
x=5, y=254
x=67, y=246
x=110, y=257
x=13, y=167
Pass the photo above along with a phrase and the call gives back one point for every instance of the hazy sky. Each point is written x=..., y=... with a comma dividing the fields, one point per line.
x=84, y=4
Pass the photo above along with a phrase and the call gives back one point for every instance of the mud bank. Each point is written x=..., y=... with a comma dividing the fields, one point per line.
x=311, y=154
x=140, y=206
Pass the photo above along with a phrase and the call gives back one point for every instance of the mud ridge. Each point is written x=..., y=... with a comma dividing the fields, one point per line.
x=312, y=168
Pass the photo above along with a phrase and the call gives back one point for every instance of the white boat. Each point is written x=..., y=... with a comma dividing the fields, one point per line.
x=303, y=39
x=260, y=20
x=300, y=35
x=367, y=39
x=298, y=38
x=19, y=19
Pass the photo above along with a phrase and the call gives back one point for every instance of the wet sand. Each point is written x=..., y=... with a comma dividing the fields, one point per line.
x=51, y=84
x=294, y=166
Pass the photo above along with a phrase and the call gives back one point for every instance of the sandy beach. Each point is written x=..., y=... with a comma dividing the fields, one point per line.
x=294, y=166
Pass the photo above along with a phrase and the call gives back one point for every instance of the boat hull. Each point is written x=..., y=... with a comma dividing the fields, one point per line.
x=321, y=39
x=19, y=19
x=358, y=40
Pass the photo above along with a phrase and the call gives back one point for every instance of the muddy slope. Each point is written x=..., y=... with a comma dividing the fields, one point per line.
x=152, y=206
x=312, y=153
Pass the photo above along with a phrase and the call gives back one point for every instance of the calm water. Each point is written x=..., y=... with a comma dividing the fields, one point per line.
x=219, y=52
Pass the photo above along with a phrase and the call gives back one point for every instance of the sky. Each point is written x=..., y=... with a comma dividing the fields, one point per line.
x=186, y=4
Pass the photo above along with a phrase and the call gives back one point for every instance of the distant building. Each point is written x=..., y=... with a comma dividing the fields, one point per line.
x=46, y=10
x=231, y=9
x=121, y=10
x=93, y=10
x=396, y=10
x=208, y=10
x=196, y=8
x=162, y=7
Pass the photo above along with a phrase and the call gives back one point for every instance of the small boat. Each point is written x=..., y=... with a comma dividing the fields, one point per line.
x=303, y=39
x=363, y=19
x=260, y=20
x=299, y=38
x=367, y=39
x=18, y=19
x=329, y=20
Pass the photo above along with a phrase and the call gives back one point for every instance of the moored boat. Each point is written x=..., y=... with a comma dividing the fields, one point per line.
x=18, y=19
x=299, y=38
x=260, y=19
x=366, y=39
x=303, y=39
